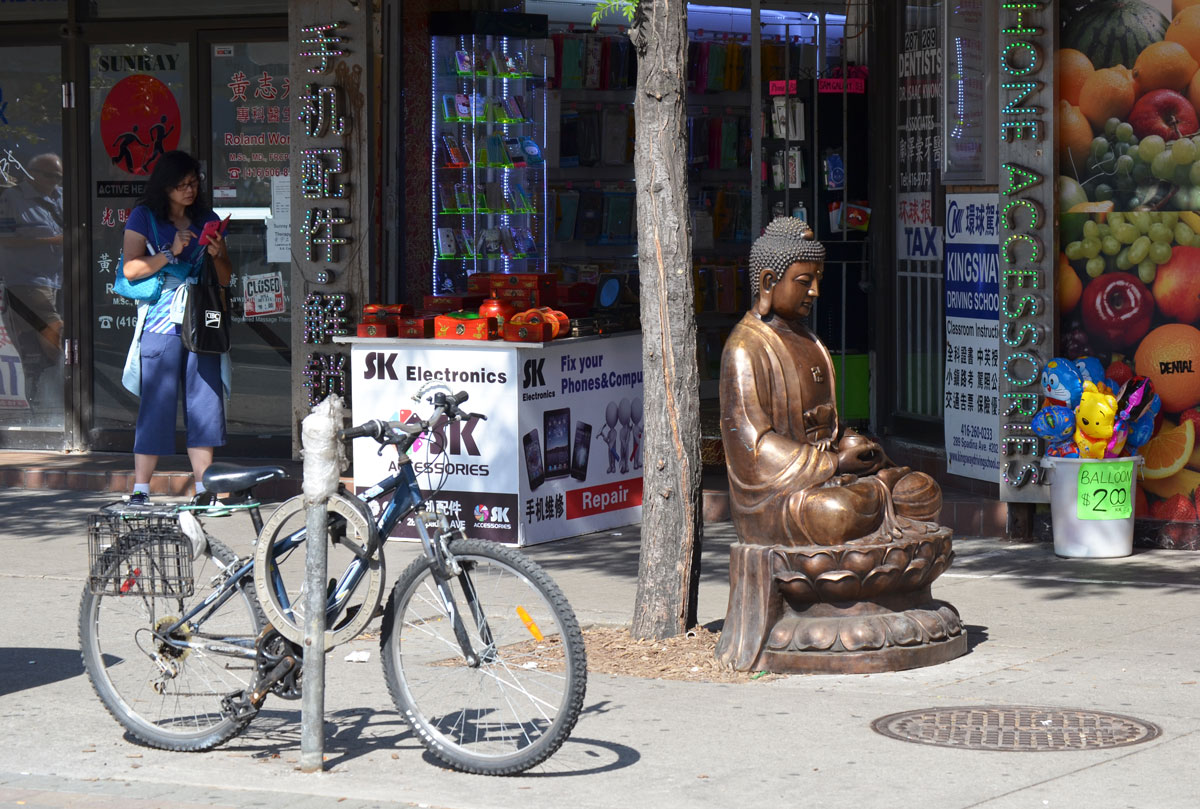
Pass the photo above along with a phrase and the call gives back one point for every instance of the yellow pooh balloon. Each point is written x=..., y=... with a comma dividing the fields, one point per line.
x=1094, y=419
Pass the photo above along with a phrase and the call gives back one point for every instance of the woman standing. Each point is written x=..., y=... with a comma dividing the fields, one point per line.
x=162, y=236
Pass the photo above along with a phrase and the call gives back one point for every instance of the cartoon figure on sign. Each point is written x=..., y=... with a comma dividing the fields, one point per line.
x=636, y=415
x=136, y=105
x=122, y=144
x=158, y=133
x=623, y=413
x=610, y=437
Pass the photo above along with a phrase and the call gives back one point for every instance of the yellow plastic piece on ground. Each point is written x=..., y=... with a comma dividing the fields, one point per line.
x=530, y=624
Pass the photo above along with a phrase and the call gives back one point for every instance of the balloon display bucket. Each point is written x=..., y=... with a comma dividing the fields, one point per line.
x=1091, y=505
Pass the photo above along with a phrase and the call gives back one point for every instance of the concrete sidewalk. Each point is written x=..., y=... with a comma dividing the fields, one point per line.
x=1118, y=636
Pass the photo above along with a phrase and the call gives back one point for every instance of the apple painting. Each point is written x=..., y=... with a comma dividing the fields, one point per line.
x=1165, y=113
x=1118, y=309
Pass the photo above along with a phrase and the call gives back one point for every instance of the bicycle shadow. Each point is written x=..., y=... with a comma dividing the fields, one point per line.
x=356, y=732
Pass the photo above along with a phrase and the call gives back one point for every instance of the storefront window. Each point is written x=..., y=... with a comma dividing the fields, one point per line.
x=252, y=99
x=139, y=99
x=156, y=8
x=31, y=239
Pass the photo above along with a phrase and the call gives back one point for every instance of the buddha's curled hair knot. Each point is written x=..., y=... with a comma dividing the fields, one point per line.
x=785, y=241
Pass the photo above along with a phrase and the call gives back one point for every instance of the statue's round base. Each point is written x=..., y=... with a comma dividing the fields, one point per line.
x=862, y=607
x=864, y=637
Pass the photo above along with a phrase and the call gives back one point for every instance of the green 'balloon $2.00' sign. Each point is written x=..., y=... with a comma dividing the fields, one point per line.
x=1105, y=491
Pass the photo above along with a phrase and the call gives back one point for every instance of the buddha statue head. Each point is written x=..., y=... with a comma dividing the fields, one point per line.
x=786, y=267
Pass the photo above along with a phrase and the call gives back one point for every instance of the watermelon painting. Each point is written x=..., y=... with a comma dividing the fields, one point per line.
x=1113, y=32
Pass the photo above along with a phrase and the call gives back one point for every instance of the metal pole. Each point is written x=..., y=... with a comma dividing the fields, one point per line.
x=321, y=470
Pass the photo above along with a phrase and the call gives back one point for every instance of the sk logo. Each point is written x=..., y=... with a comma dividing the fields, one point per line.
x=533, y=373
x=380, y=365
x=481, y=513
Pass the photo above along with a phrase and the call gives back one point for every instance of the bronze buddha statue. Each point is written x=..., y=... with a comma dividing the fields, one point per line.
x=822, y=515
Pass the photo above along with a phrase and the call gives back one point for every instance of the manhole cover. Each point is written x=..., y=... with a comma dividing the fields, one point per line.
x=1016, y=729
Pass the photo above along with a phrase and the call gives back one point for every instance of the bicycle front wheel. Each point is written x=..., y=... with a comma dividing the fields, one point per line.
x=516, y=706
x=167, y=697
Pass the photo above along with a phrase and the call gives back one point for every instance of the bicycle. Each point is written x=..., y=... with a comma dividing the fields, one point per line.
x=183, y=640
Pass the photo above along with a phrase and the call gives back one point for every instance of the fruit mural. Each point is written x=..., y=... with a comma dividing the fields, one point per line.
x=1128, y=279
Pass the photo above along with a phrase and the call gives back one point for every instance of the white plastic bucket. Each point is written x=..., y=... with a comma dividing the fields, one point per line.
x=1090, y=538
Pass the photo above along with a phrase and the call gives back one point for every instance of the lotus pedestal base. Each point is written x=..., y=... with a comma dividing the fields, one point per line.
x=843, y=609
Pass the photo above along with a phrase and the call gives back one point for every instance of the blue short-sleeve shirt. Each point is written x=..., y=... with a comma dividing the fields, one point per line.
x=158, y=320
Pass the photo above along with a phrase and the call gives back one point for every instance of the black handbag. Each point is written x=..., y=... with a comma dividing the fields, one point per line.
x=205, y=327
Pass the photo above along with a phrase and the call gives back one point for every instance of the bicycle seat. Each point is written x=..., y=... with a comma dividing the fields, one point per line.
x=228, y=477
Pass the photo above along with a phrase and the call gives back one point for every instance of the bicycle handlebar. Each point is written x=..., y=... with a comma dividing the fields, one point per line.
x=395, y=432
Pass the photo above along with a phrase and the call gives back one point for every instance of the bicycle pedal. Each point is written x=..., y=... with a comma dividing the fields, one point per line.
x=238, y=706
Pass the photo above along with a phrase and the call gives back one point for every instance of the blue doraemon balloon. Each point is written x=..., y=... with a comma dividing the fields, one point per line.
x=1092, y=370
x=1061, y=384
x=1056, y=424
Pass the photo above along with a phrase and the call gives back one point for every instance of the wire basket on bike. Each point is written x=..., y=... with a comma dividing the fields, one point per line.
x=145, y=554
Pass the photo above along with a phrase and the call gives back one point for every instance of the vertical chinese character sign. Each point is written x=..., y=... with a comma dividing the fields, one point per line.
x=972, y=282
x=329, y=172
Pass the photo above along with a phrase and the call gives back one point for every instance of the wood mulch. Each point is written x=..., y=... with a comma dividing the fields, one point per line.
x=690, y=657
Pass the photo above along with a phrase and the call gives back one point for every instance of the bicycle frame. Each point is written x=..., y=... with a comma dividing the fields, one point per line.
x=408, y=499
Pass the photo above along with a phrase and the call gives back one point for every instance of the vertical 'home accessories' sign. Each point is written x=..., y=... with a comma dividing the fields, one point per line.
x=1026, y=237
x=321, y=182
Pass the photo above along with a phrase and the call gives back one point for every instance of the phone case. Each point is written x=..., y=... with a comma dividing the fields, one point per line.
x=533, y=459
x=557, y=424
x=579, y=456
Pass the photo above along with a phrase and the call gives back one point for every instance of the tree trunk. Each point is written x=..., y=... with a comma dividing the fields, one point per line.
x=669, y=571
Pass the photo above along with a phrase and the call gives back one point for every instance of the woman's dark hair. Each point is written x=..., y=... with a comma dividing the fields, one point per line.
x=172, y=169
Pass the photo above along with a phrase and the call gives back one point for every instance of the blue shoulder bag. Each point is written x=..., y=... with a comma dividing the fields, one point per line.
x=144, y=289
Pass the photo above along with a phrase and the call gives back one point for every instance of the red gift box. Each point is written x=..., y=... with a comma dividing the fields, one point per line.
x=447, y=327
x=481, y=283
x=418, y=327
x=376, y=328
x=527, y=332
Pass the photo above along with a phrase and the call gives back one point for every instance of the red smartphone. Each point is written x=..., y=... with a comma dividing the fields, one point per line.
x=213, y=227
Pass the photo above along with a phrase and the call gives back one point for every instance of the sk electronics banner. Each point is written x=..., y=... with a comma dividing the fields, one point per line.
x=560, y=453
x=972, y=406
x=581, y=437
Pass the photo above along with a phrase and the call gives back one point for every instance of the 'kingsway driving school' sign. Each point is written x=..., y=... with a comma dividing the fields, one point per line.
x=972, y=279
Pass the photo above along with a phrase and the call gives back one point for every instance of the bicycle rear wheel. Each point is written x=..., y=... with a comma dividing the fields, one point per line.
x=166, y=697
x=518, y=705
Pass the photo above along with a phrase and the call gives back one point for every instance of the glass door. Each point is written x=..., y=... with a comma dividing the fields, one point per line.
x=35, y=329
x=252, y=100
x=139, y=104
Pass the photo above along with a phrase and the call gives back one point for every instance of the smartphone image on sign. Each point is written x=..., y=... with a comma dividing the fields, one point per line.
x=533, y=458
x=579, y=456
x=557, y=424
x=213, y=227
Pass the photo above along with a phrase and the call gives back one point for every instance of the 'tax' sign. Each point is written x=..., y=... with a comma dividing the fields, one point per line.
x=920, y=243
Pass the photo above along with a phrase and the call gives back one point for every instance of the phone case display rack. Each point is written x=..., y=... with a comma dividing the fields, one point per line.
x=488, y=191
x=592, y=203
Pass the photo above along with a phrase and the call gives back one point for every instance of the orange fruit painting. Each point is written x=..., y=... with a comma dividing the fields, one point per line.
x=1163, y=65
x=1107, y=93
x=1073, y=70
x=1166, y=453
x=1185, y=29
x=1170, y=357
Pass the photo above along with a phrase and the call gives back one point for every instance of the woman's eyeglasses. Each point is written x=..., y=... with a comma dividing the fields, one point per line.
x=193, y=184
